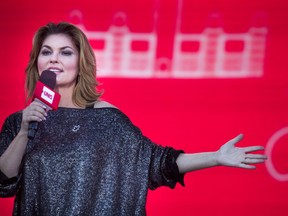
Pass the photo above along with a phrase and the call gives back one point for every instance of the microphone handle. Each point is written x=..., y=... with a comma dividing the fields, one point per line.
x=33, y=125
x=32, y=129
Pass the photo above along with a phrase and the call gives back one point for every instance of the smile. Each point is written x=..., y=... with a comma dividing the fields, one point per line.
x=55, y=70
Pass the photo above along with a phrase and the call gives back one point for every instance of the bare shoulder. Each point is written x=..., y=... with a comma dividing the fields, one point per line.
x=103, y=104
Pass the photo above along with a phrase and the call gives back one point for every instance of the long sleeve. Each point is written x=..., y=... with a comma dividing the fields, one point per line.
x=163, y=170
x=10, y=128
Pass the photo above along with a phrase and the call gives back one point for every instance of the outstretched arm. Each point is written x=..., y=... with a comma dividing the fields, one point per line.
x=227, y=155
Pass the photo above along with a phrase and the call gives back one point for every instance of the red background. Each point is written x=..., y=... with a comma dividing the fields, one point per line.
x=195, y=114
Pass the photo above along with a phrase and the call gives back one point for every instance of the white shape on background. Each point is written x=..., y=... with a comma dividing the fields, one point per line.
x=268, y=151
x=117, y=58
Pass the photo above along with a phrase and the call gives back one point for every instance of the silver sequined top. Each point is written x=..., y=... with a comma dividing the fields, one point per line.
x=86, y=162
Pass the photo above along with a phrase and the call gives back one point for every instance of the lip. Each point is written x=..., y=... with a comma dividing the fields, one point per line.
x=55, y=69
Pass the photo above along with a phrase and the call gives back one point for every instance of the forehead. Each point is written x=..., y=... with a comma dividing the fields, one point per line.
x=58, y=41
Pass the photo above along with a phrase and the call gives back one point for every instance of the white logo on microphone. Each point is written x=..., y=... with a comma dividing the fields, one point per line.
x=47, y=95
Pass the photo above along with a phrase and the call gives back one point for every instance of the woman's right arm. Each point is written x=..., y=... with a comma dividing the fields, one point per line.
x=10, y=160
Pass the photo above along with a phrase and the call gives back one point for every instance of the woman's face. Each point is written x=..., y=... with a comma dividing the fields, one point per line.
x=59, y=54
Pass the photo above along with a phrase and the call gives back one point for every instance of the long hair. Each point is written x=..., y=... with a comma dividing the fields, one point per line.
x=85, y=92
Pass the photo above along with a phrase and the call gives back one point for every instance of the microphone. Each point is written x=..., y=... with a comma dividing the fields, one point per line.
x=44, y=93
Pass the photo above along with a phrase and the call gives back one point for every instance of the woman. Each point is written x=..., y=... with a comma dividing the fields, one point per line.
x=87, y=158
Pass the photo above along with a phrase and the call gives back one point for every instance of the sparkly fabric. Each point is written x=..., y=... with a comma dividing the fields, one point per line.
x=86, y=162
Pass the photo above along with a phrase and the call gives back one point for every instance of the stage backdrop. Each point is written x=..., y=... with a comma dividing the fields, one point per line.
x=191, y=74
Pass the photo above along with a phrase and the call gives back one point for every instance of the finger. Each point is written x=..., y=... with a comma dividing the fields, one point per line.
x=255, y=156
x=41, y=110
x=236, y=139
x=33, y=115
x=253, y=161
x=35, y=118
x=38, y=103
x=253, y=148
x=35, y=105
x=37, y=114
x=30, y=118
x=246, y=166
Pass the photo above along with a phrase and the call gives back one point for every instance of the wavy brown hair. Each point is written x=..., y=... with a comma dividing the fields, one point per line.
x=85, y=92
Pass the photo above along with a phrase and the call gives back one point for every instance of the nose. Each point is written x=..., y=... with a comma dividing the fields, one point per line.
x=54, y=58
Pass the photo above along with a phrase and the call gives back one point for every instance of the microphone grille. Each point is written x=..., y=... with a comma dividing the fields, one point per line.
x=48, y=78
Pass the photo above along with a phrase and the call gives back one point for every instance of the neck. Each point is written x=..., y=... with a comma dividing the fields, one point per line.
x=66, y=98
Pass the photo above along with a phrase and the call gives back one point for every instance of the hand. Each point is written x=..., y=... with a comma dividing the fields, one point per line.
x=36, y=111
x=229, y=155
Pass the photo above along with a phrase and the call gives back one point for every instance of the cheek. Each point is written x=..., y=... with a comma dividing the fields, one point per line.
x=73, y=66
x=40, y=64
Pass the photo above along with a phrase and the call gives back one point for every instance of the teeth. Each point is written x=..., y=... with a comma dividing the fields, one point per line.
x=55, y=70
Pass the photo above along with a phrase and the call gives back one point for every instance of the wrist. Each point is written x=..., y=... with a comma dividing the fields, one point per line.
x=22, y=133
x=216, y=157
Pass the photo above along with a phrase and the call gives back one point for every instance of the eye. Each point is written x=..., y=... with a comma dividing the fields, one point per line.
x=45, y=52
x=66, y=53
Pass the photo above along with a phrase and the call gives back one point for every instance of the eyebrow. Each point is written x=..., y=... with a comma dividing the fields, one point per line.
x=61, y=48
